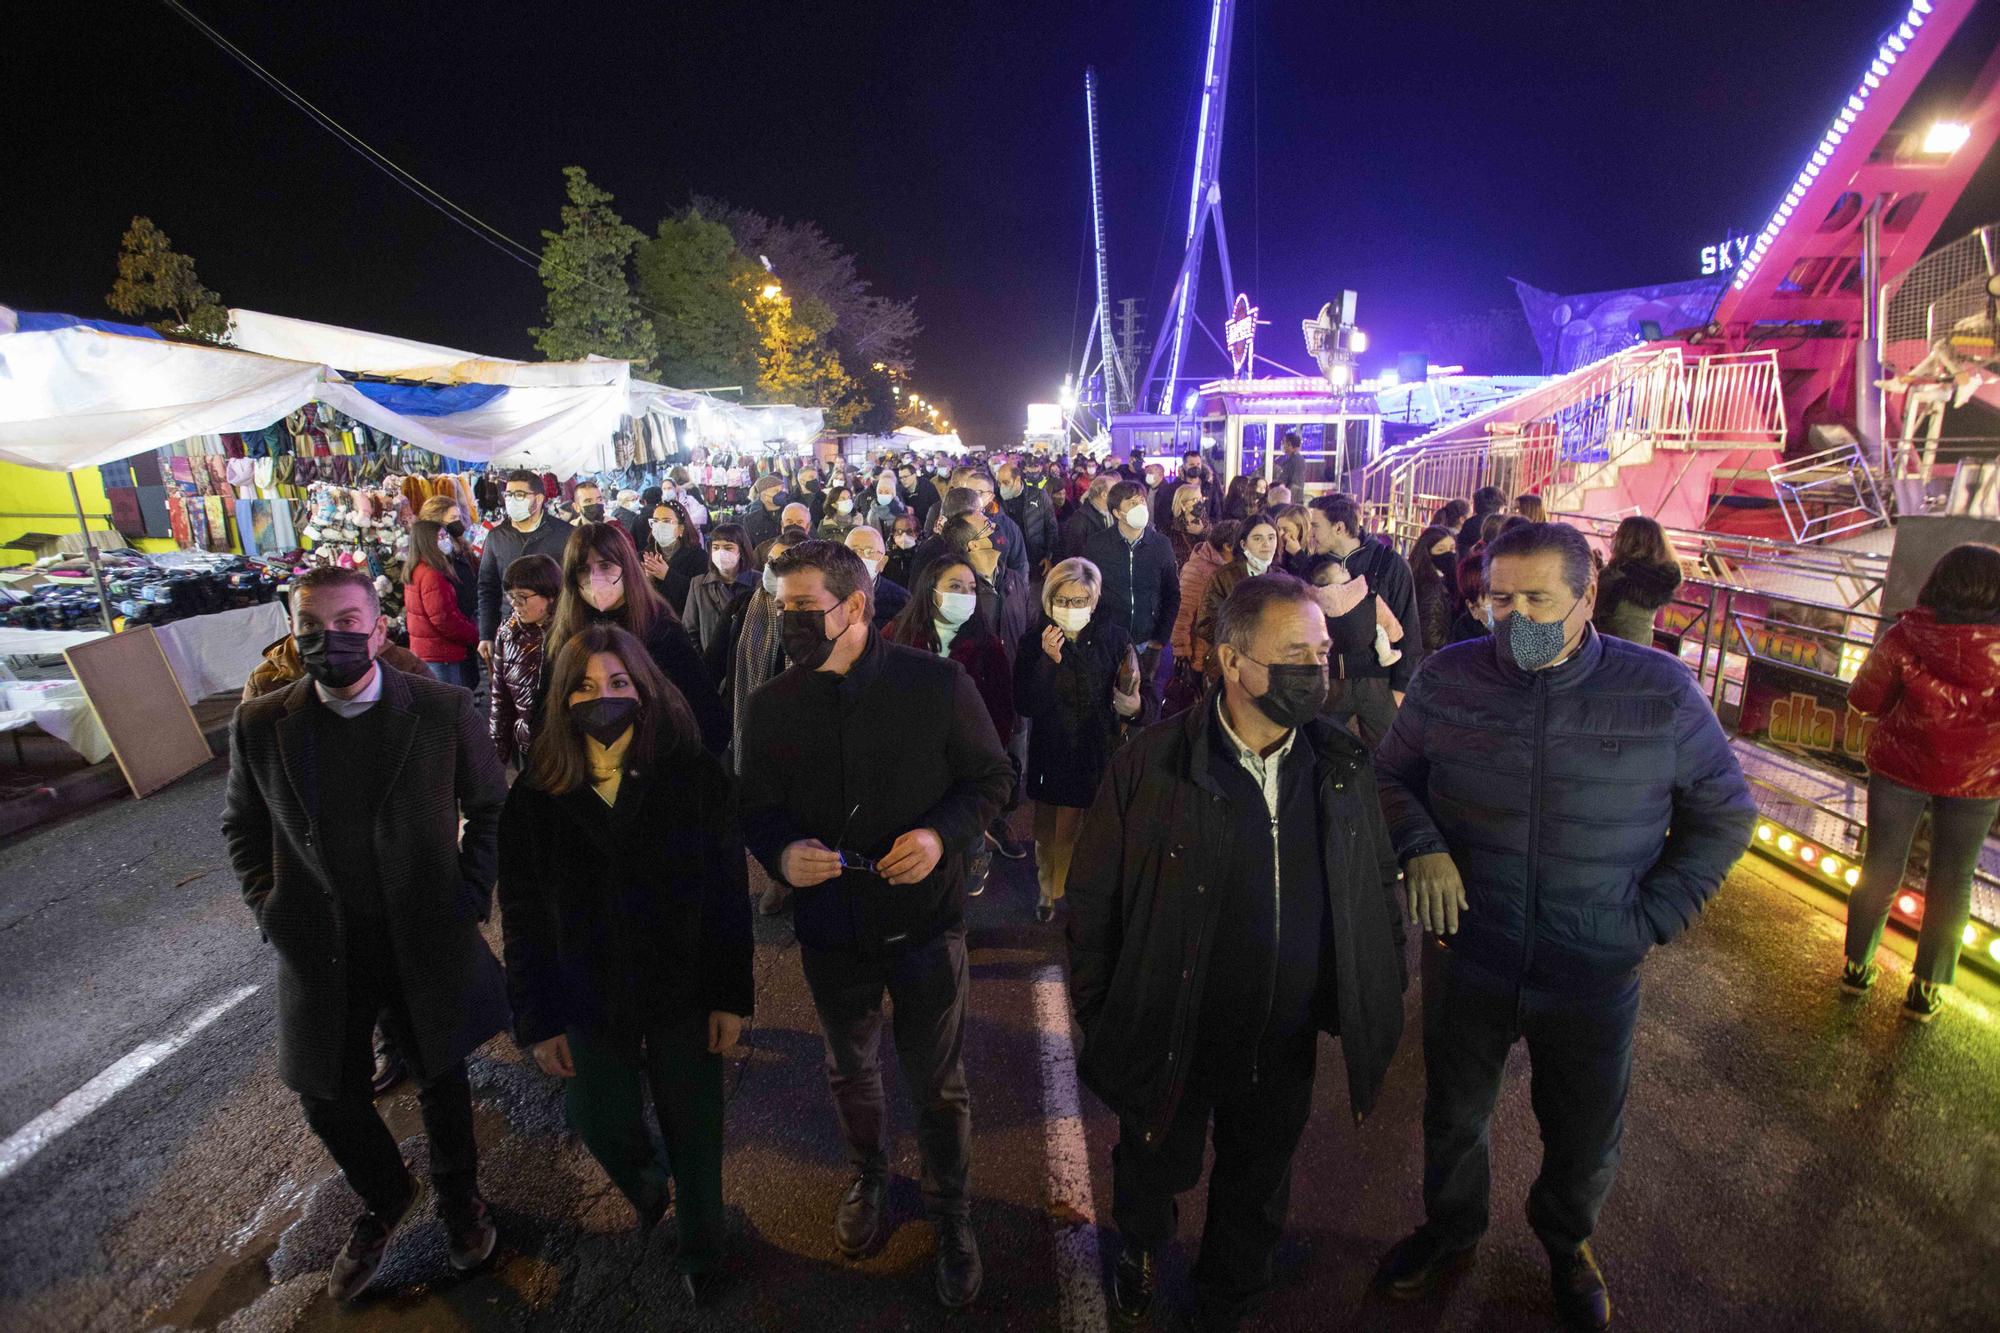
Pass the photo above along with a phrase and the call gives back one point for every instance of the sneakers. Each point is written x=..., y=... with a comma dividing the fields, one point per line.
x=1006, y=843
x=389, y=1067
x=354, y=1268
x=959, y=1274
x=470, y=1235
x=857, y=1223
x=1133, y=1282
x=1856, y=978
x=1577, y=1283
x=1922, y=1002
x=774, y=899
x=1416, y=1265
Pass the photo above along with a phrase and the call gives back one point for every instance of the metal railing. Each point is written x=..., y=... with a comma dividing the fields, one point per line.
x=1828, y=494
x=1734, y=400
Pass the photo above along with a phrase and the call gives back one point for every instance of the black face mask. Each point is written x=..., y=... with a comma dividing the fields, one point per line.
x=336, y=658
x=803, y=634
x=456, y=527
x=1447, y=565
x=594, y=512
x=604, y=720
x=1295, y=695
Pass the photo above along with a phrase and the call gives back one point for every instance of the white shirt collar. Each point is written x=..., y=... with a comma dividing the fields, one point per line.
x=359, y=703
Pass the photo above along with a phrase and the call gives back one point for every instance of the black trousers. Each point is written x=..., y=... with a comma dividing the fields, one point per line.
x=926, y=988
x=360, y=1144
x=1257, y=1129
x=1580, y=1065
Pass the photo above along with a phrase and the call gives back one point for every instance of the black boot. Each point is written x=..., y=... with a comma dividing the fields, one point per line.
x=1582, y=1301
x=1415, y=1265
x=1132, y=1284
x=857, y=1223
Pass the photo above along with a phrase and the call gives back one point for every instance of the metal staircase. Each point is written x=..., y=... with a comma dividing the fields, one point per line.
x=1570, y=440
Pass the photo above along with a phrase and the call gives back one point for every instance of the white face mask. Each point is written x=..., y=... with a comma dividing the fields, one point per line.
x=1070, y=619
x=726, y=559
x=955, y=608
x=905, y=540
x=1255, y=565
x=444, y=545
x=629, y=503
x=874, y=566
x=520, y=507
x=666, y=534
x=885, y=496
x=770, y=582
x=843, y=506
x=1134, y=516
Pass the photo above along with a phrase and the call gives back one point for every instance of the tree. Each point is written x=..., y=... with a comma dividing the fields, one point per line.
x=591, y=308
x=701, y=289
x=796, y=366
x=863, y=328
x=155, y=279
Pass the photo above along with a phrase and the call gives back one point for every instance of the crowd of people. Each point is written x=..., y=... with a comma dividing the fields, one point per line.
x=1259, y=742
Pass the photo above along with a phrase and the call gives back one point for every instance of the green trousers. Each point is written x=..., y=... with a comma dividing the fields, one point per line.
x=606, y=1102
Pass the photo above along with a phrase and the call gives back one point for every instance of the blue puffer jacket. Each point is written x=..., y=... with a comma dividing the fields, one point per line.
x=1591, y=808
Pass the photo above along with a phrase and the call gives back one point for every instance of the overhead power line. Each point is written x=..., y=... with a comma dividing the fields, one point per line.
x=458, y=214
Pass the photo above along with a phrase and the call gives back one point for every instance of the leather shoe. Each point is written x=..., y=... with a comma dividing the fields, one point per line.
x=1132, y=1284
x=959, y=1274
x=857, y=1224
x=1582, y=1301
x=1415, y=1265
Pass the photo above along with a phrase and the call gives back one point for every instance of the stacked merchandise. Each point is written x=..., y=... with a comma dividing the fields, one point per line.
x=142, y=591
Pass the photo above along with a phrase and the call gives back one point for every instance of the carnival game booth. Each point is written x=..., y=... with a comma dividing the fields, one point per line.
x=1340, y=430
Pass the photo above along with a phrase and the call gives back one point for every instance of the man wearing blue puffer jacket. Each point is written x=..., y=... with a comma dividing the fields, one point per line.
x=1562, y=802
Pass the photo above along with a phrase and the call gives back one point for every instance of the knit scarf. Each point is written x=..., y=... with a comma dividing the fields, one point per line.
x=756, y=662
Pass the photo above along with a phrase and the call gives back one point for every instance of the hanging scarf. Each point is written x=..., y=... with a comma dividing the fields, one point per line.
x=756, y=662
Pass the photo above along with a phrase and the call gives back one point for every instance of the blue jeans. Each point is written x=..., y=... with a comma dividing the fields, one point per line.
x=463, y=674
x=1958, y=830
x=1579, y=1067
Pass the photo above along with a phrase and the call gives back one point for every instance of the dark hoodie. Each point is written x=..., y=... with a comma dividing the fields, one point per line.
x=1628, y=593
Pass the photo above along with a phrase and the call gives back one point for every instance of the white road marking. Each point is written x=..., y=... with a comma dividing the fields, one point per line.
x=1071, y=1211
x=53, y=1123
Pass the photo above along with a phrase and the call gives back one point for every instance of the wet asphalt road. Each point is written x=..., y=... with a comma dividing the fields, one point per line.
x=1792, y=1159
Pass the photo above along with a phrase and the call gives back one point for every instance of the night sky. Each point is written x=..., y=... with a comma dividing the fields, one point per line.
x=1420, y=154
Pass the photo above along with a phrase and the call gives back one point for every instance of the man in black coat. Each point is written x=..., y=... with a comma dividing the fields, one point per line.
x=1563, y=802
x=889, y=596
x=868, y=769
x=1027, y=508
x=527, y=531
x=1142, y=584
x=1370, y=693
x=761, y=517
x=342, y=821
x=1232, y=895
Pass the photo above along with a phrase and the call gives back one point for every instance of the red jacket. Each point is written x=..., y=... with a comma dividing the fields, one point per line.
x=439, y=631
x=1936, y=688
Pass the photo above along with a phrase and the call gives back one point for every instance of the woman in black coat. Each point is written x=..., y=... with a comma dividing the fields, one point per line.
x=604, y=583
x=1640, y=579
x=672, y=555
x=626, y=918
x=1078, y=678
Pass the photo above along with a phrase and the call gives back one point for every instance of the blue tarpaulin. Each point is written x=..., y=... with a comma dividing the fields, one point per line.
x=430, y=400
x=43, y=321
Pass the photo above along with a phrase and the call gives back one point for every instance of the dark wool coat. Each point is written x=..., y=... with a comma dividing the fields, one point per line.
x=1075, y=727
x=621, y=917
x=436, y=882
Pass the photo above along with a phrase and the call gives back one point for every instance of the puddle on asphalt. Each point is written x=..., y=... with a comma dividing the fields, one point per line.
x=232, y=1282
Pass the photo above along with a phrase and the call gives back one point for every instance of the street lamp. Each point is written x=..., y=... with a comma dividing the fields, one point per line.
x=772, y=291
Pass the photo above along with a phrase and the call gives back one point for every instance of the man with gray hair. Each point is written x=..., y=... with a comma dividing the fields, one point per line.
x=1562, y=802
x=1232, y=895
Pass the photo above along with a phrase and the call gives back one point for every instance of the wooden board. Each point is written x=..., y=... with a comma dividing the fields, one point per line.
x=152, y=730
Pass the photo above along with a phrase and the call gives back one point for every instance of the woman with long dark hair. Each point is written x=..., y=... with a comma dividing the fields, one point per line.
x=944, y=616
x=1637, y=581
x=1934, y=681
x=626, y=917
x=1256, y=552
x=672, y=555
x=1434, y=569
x=1244, y=498
x=603, y=583
x=441, y=634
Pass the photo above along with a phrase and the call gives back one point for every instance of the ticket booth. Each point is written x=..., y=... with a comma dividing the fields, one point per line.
x=1340, y=434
